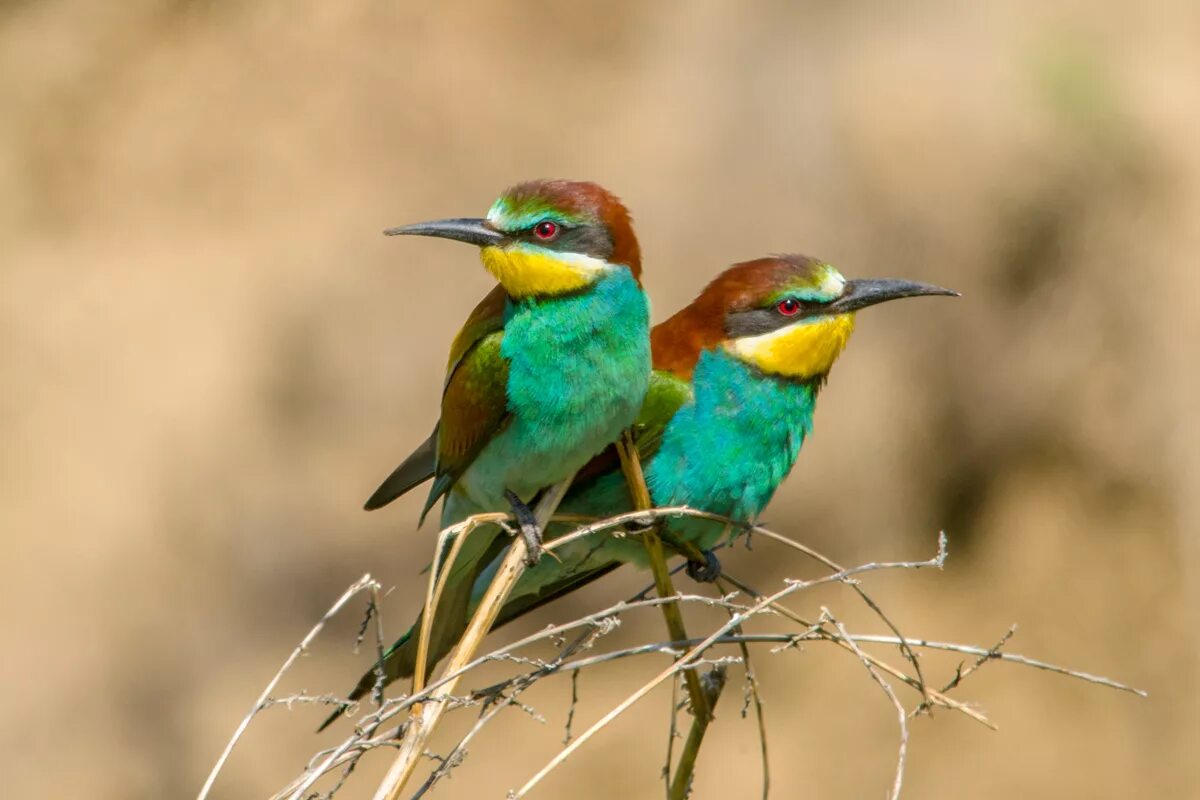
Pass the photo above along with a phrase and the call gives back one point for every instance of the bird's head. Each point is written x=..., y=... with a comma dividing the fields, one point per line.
x=546, y=237
x=788, y=315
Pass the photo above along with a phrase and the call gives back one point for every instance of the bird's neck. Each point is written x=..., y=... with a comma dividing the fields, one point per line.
x=602, y=294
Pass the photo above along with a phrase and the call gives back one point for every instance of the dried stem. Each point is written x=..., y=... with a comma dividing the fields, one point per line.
x=713, y=685
x=752, y=694
x=820, y=632
x=687, y=654
x=898, y=781
x=439, y=576
x=694, y=654
x=363, y=583
x=480, y=625
x=632, y=467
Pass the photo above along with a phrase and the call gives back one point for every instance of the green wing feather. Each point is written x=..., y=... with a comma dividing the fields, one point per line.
x=419, y=467
x=666, y=393
x=474, y=408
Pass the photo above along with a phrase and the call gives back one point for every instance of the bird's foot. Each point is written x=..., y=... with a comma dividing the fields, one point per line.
x=528, y=525
x=706, y=572
x=640, y=525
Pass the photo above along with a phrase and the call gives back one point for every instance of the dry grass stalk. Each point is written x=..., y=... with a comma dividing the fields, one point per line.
x=687, y=655
x=363, y=583
x=422, y=727
x=632, y=466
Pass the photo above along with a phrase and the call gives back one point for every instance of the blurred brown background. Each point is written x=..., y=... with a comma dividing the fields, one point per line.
x=211, y=357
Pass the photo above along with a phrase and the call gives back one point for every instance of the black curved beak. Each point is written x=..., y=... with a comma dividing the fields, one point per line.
x=869, y=292
x=472, y=231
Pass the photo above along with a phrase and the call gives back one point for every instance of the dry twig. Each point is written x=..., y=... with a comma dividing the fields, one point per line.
x=632, y=466
x=363, y=583
x=898, y=781
x=427, y=704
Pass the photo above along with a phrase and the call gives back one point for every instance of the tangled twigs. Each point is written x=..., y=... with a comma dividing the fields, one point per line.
x=365, y=582
x=576, y=644
x=694, y=654
x=898, y=781
x=430, y=714
x=752, y=695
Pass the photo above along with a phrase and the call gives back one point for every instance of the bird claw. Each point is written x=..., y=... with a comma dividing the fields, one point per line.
x=707, y=572
x=527, y=523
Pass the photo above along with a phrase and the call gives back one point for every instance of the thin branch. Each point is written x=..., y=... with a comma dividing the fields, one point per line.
x=479, y=627
x=632, y=467
x=364, y=582
x=937, y=697
x=751, y=694
x=992, y=654
x=439, y=576
x=908, y=652
x=792, y=587
x=686, y=768
x=672, y=734
x=380, y=646
x=898, y=781
x=572, y=707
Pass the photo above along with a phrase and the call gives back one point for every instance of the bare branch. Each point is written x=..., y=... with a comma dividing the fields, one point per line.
x=898, y=782
x=751, y=694
x=714, y=683
x=479, y=627
x=364, y=582
x=687, y=660
x=423, y=709
x=632, y=467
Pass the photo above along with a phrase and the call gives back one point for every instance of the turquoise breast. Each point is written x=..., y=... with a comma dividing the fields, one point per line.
x=729, y=448
x=725, y=451
x=579, y=366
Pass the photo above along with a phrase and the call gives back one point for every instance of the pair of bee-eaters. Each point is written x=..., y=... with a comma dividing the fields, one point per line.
x=559, y=359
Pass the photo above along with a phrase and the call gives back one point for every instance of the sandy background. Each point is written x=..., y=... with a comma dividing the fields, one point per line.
x=210, y=357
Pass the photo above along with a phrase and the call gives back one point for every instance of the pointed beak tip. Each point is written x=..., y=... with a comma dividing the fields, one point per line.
x=469, y=230
x=933, y=290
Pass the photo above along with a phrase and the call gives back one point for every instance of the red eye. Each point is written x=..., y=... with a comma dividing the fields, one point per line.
x=545, y=230
x=789, y=306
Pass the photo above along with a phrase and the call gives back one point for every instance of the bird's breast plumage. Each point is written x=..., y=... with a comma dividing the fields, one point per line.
x=578, y=368
x=727, y=450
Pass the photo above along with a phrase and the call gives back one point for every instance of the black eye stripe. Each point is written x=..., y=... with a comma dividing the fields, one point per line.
x=757, y=321
x=585, y=238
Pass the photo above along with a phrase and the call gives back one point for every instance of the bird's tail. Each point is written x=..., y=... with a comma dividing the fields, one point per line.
x=542, y=584
x=449, y=622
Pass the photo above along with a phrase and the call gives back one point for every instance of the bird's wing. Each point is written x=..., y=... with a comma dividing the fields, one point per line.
x=474, y=408
x=474, y=411
x=419, y=467
x=666, y=393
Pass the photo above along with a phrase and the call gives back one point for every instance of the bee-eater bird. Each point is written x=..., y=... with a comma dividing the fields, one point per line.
x=730, y=403
x=547, y=371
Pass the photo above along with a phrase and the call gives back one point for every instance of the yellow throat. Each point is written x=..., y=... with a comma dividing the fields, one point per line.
x=803, y=350
x=525, y=271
